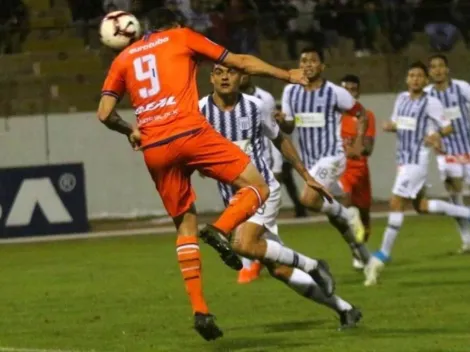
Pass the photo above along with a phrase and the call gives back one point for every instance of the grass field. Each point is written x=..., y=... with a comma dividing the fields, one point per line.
x=126, y=294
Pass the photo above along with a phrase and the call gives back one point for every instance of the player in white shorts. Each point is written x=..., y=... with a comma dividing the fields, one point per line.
x=244, y=120
x=419, y=122
x=316, y=110
x=454, y=163
x=273, y=157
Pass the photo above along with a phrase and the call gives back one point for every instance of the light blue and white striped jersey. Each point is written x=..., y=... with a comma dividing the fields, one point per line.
x=455, y=100
x=415, y=119
x=245, y=125
x=317, y=115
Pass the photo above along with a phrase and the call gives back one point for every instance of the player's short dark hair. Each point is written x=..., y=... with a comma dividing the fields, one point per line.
x=420, y=65
x=162, y=18
x=351, y=79
x=312, y=49
x=439, y=56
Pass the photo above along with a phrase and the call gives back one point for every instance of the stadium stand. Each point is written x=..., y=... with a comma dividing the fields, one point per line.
x=57, y=72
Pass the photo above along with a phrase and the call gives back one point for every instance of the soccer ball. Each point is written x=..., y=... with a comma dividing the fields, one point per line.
x=119, y=29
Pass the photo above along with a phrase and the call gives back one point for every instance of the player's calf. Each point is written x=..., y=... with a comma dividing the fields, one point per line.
x=269, y=251
x=242, y=206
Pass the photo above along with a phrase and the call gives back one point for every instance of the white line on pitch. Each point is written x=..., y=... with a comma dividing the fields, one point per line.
x=160, y=230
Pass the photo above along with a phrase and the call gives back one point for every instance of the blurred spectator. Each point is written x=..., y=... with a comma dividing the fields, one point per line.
x=219, y=32
x=441, y=26
x=351, y=24
x=197, y=18
x=86, y=15
x=174, y=6
x=372, y=25
x=273, y=17
x=14, y=25
x=326, y=13
x=399, y=22
x=301, y=27
x=115, y=5
x=143, y=8
x=240, y=17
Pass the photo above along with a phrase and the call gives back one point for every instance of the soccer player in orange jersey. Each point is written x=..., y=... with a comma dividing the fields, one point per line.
x=159, y=74
x=355, y=181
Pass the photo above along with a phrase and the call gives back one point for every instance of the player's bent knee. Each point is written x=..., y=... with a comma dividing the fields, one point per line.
x=264, y=191
x=311, y=199
x=245, y=248
x=421, y=206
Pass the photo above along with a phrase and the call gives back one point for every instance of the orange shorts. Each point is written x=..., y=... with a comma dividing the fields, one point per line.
x=356, y=182
x=171, y=165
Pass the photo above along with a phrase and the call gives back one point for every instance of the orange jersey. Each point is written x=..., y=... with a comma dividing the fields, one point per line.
x=159, y=74
x=349, y=134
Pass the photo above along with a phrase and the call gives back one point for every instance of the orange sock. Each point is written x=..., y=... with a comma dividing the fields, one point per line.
x=189, y=259
x=242, y=207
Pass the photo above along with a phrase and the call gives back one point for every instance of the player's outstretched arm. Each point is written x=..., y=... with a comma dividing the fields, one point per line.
x=288, y=151
x=110, y=118
x=389, y=126
x=254, y=66
x=285, y=125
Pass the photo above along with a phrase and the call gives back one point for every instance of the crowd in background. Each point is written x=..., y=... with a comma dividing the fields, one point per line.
x=373, y=25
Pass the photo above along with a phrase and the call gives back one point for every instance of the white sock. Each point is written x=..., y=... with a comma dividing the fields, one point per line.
x=303, y=284
x=463, y=224
x=395, y=220
x=335, y=210
x=277, y=253
x=246, y=263
x=440, y=207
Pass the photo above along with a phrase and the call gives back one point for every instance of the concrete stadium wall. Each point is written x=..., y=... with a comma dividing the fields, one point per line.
x=116, y=178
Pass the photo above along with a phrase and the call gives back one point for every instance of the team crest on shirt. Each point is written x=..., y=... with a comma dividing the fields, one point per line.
x=245, y=122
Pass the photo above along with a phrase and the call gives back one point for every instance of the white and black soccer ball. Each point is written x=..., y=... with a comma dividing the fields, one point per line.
x=118, y=29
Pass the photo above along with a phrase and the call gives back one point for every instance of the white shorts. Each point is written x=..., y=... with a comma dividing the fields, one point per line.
x=328, y=170
x=410, y=179
x=452, y=170
x=267, y=215
x=277, y=161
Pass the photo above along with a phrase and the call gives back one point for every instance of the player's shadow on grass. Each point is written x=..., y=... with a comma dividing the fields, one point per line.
x=255, y=344
x=287, y=326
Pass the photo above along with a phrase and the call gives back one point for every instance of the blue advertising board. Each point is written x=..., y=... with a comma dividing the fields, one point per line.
x=42, y=200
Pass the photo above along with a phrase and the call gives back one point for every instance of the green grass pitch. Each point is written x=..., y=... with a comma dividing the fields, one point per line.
x=126, y=294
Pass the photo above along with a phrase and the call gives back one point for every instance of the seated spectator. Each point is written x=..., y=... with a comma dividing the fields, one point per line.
x=326, y=13
x=371, y=24
x=173, y=5
x=241, y=17
x=115, y=5
x=14, y=26
x=197, y=18
x=441, y=26
x=399, y=18
x=86, y=15
x=302, y=27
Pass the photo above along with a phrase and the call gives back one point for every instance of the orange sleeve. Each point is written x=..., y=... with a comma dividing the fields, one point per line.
x=370, y=124
x=114, y=84
x=201, y=45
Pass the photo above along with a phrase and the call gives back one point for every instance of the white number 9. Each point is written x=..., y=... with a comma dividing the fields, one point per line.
x=151, y=74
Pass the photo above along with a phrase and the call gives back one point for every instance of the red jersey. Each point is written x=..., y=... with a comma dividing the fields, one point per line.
x=159, y=74
x=349, y=134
